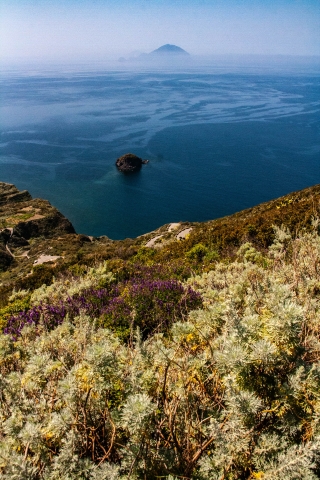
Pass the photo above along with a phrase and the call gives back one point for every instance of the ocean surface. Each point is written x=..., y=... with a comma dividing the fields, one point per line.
x=217, y=140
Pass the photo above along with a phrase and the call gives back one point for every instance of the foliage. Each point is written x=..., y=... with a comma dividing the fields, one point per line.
x=40, y=275
x=152, y=305
x=144, y=300
x=197, y=252
x=222, y=237
x=230, y=391
x=18, y=302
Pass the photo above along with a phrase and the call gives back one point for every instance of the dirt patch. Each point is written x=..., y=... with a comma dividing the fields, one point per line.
x=153, y=241
x=27, y=209
x=173, y=226
x=182, y=235
x=45, y=259
x=35, y=217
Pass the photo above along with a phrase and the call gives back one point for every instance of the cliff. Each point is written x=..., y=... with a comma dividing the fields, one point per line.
x=23, y=219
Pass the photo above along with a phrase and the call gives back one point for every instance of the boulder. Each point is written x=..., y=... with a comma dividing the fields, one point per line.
x=129, y=163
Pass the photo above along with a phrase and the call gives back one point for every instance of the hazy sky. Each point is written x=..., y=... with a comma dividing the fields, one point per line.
x=82, y=29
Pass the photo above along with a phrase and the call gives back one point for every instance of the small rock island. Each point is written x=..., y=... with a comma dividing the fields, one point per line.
x=130, y=163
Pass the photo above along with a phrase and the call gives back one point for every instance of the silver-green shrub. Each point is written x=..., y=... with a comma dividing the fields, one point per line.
x=231, y=393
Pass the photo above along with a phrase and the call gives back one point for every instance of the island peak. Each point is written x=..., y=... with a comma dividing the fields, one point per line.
x=169, y=50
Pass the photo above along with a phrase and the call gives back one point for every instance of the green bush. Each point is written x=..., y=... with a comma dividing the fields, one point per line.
x=18, y=302
x=197, y=252
x=144, y=255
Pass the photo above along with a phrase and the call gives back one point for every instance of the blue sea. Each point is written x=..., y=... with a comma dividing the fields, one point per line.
x=218, y=140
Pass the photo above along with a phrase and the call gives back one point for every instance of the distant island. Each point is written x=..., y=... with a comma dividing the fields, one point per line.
x=164, y=52
x=169, y=50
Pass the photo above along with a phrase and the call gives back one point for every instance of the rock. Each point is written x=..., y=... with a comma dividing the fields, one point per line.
x=27, y=217
x=10, y=194
x=84, y=238
x=53, y=223
x=5, y=259
x=16, y=242
x=24, y=218
x=129, y=163
x=5, y=235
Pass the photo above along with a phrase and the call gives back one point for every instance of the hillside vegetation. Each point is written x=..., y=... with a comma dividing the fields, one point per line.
x=52, y=235
x=195, y=359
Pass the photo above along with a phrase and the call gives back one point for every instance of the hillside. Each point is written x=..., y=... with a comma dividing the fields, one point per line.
x=190, y=352
x=34, y=231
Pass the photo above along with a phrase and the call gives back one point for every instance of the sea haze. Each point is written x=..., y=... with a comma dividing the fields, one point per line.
x=218, y=142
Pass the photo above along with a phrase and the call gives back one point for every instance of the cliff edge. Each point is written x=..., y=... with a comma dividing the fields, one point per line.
x=22, y=219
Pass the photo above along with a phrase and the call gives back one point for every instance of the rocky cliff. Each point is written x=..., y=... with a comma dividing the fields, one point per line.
x=22, y=219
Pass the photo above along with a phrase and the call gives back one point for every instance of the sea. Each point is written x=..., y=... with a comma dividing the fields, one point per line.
x=219, y=139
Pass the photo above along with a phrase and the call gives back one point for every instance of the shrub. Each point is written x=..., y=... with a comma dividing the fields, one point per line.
x=230, y=392
x=152, y=304
x=19, y=302
x=158, y=303
x=198, y=252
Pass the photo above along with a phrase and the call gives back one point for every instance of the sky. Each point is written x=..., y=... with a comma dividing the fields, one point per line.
x=96, y=29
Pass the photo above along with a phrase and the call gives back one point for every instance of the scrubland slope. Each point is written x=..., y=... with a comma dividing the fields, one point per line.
x=142, y=365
